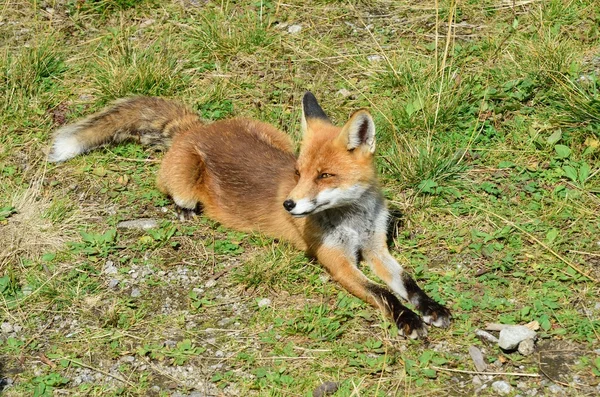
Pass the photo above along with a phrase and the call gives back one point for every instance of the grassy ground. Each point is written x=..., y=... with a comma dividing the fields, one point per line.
x=488, y=116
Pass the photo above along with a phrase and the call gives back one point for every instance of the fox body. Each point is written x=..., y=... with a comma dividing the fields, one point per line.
x=245, y=175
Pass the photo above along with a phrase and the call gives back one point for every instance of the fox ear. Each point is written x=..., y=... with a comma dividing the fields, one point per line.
x=359, y=132
x=310, y=111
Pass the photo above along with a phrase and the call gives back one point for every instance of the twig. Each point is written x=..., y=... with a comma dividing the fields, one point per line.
x=462, y=371
x=585, y=253
x=117, y=377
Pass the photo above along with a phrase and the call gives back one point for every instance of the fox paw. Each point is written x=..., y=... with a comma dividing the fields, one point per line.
x=435, y=314
x=186, y=214
x=410, y=325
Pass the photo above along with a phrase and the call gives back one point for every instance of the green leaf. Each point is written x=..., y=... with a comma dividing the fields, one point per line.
x=562, y=151
x=427, y=186
x=570, y=172
x=555, y=137
x=430, y=373
x=551, y=235
x=584, y=172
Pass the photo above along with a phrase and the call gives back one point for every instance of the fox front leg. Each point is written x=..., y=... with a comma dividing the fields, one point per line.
x=389, y=270
x=343, y=269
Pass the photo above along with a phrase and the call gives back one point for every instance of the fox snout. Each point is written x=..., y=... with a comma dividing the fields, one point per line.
x=289, y=204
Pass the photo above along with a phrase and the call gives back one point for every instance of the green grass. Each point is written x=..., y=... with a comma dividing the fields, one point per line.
x=488, y=144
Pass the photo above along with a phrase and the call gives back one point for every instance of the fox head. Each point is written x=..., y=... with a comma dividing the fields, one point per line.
x=335, y=166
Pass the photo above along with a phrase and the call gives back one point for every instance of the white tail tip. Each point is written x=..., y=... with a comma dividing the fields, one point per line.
x=66, y=146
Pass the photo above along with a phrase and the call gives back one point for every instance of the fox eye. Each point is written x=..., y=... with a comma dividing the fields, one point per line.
x=325, y=175
x=297, y=173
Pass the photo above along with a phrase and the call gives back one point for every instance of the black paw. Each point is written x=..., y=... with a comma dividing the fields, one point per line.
x=186, y=214
x=435, y=314
x=410, y=325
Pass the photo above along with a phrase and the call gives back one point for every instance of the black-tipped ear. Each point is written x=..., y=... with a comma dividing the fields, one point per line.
x=311, y=108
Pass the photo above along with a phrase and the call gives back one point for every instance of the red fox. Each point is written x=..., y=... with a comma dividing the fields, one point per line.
x=244, y=174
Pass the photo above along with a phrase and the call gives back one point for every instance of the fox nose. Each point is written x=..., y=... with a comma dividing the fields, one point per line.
x=289, y=204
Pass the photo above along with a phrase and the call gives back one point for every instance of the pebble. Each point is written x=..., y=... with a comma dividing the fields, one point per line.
x=527, y=347
x=556, y=389
x=486, y=335
x=210, y=283
x=7, y=328
x=344, y=93
x=501, y=387
x=264, y=302
x=477, y=358
x=110, y=268
x=142, y=223
x=113, y=283
x=128, y=359
x=136, y=293
x=511, y=336
x=325, y=388
x=374, y=58
x=219, y=353
x=294, y=29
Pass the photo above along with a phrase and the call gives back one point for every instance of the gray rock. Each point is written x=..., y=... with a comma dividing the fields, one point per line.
x=527, y=347
x=374, y=58
x=501, y=387
x=477, y=358
x=110, y=268
x=136, y=293
x=486, y=336
x=556, y=389
x=7, y=328
x=511, y=336
x=142, y=223
x=294, y=29
x=128, y=359
x=113, y=283
x=325, y=389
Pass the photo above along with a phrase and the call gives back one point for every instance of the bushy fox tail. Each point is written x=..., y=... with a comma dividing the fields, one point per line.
x=148, y=120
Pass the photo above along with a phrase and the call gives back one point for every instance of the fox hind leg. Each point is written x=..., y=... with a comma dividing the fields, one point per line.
x=181, y=176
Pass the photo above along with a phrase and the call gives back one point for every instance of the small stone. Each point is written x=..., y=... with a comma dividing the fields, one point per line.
x=486, y=336
x=325, y=389
x=155, y=388
x=477, y=381
x=147, y=22
x=170, y=343
x=264, y=302
x=110, y=268
x=294, y=29
x=511, y=336
x=344, y=93
x=556, y=389
x=136, y=293
x=113, y=283
x=477, y=358
x=7, y=328
x=501, y=387
x=17, y=328
x=128, y=359
x=219, y=353
x=210, y=283
x=142, y=223
x=374, y=58
x=527, y=347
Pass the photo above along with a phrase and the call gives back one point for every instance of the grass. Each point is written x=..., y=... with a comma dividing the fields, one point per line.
x=488, y=124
